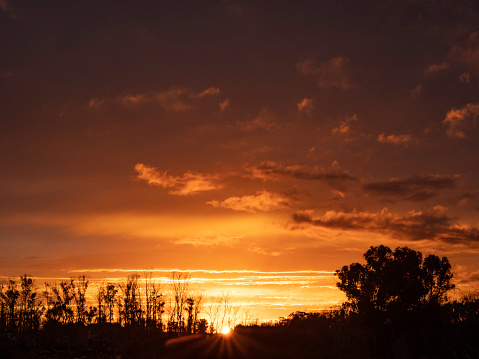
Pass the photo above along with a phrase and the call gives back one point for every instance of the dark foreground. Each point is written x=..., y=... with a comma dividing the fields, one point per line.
x=303, y=336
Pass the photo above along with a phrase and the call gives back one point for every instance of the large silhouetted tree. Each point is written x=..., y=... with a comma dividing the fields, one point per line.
x=395, y=281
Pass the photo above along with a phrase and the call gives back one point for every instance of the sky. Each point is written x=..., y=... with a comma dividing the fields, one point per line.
x=258, y=145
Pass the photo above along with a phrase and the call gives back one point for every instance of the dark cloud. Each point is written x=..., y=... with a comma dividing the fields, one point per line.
x=428, y=225
x=419, y=196
x=414, y=188
x=467, y=53
x=272, y=171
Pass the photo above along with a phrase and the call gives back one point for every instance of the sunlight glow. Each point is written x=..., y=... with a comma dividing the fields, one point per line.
x=225, y=330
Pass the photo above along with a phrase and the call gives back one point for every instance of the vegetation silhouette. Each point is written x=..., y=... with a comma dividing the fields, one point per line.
x=397, y=308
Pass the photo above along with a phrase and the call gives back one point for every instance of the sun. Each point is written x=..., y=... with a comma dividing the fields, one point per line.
x=225, y=330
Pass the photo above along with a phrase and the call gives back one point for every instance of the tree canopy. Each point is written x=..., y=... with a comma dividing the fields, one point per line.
x=393, y=281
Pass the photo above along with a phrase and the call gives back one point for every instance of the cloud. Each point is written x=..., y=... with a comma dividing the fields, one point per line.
x=398, y=140
x=467, y=53
x=96, y=103
x=344, y=125
x=271, y=171
x=209, y=240
x=415, y=225
x=436, y=68
x=188, y=184
x=265, y=251
x=173, y=99
x=212, y=91
x=262, y=201
x=132, y=100
x=224, y=104
x=306, y=105
x=265, y=120
x=458, y=121
x=415, y=188
x=417, y=91
x=333, y=73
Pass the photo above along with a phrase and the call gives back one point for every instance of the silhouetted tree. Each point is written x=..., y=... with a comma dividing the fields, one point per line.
x=59, y=299
x=30, y=310
x=202, y=326
x=100, y=300
x=10, y=296
x=80, y=299
x=193, y=307
x=154, y=302
x=3, y=318
x=130, y=301
x=222, y=312
x=110, y=300
x=396, y=280
x=179, y=284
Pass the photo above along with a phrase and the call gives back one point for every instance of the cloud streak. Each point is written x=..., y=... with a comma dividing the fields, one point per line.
x=262, y=201
x=173, y=100
x=345, y=125
x=414, y=188
x=398, y=140
x=415, y=225
x=210, y=240
x=272, y=171
x=188, y=184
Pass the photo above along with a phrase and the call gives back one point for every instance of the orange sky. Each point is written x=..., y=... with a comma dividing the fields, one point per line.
x=272, y=141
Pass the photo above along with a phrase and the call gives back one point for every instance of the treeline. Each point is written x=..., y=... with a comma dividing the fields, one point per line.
x=141, y=301
x=398, y=307
x=446, y=330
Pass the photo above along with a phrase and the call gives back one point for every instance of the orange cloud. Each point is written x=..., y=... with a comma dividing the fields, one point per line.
x=173, y=99
x=209, y=240
x=306, y=105
x=131, y=100
x=188, y=184
x=344, y=126
x=398, y=140
x=95, y=103
x=212, y=91
x=265, y=120
x=263, y=201
x=436, y=67
x=462, y=119
x=265, y=251
x=224, y=105
x=334, y=73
